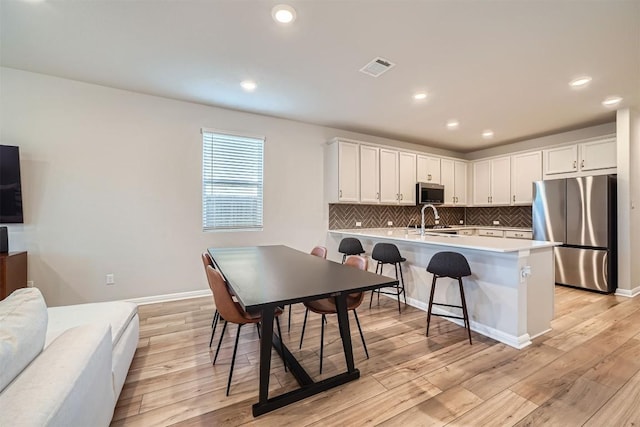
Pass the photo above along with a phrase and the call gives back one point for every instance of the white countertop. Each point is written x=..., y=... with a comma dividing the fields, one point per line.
x=491, y=244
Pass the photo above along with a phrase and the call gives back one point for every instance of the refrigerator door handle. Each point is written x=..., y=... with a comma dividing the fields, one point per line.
x=605, y=266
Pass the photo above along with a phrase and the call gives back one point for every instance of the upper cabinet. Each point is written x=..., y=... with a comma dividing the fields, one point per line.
x=597, y=155
x=369, y=174
x=397, y=177
x=454, y=178
x=342, y=172
x=389, y=177
x=407, y=179
x=525, y=169
x=428, y=169
x=491, y=182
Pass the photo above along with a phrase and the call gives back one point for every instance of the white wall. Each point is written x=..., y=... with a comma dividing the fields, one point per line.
x=545, y=141
x=112, y=184
x=628, y=146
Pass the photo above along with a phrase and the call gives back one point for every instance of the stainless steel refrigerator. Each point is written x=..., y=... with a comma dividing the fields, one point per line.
x=580, y=213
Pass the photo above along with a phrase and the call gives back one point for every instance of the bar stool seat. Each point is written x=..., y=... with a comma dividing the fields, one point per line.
x=388, y=253
x=350, y=246
x=455, y=266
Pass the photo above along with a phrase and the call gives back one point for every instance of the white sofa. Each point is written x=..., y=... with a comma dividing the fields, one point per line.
x=63, y=366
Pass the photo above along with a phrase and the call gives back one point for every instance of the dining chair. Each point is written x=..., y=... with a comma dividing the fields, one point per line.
x=231, y=311
x=207, y=261
x=319, y=251
x=328, y=306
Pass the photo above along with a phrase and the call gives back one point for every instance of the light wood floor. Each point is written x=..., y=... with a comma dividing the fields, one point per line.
x=585, y=372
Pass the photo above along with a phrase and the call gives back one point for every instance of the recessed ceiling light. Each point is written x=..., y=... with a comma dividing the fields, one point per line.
x=487, y=134
x=580, y=82
x=611, y=101
x=452, y=124
x=283, y=13
x=249, y=85
x=420, y=96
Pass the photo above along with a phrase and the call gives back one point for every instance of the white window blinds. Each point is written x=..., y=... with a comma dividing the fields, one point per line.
x=232, y=169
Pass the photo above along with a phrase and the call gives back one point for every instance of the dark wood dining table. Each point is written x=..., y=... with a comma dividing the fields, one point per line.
x=266, y=277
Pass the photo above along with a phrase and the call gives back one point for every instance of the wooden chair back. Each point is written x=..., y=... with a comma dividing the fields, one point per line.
x=227, y=308
x=319, y=251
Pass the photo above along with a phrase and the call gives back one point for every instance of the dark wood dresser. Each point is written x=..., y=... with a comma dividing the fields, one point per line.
x=13, y=272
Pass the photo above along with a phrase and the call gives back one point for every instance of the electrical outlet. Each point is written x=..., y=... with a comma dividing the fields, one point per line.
x=496, y=222
x=30, y=284
x=110, y=279
x=358, y=224
x=436, y=222
x=461, y=222
x=389, y=223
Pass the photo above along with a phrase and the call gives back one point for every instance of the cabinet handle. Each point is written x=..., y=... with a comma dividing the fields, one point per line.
x=377, y=196
x=340, y=193
x=582, y=163
x=401, y=196
x=575, y=164
x=429, y=177
x=488, y=199
x=514, y=197
x=491, y=199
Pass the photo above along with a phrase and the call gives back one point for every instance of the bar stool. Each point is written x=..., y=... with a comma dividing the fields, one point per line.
x=455, y=266
x=388, y=253
x=350, y=246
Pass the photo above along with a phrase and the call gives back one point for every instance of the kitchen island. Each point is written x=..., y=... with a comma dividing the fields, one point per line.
x=510, y=294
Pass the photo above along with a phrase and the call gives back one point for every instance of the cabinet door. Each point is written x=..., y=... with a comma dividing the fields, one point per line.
x=447, y=178
x=525, y=169
x=369, y=174
x=428, y=169
x=598, y=155
x=482, y=183
x=407, y=178
x=501, y=181
x=460, y=185
x=561, y=160
x=348, y=172
x=389, y=193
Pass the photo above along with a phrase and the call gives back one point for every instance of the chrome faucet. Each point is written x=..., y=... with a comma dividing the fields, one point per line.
x=435, y=214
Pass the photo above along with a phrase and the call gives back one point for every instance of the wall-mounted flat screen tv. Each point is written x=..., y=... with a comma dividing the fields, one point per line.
x=10, y=185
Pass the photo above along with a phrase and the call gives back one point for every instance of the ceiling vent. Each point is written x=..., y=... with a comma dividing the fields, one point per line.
x=377, y=67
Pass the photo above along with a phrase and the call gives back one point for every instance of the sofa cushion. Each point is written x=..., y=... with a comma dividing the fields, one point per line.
x=117, y=313
x=23, y=327
x=68, y=384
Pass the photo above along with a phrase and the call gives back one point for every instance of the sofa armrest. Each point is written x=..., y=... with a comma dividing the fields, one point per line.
x=68, y=384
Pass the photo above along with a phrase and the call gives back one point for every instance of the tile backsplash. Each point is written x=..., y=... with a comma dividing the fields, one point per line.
x=376, y=216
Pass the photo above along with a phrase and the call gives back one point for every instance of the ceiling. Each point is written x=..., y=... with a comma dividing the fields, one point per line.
x=500, y=65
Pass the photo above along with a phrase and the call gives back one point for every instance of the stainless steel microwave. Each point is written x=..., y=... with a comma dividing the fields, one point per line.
x=429, y=193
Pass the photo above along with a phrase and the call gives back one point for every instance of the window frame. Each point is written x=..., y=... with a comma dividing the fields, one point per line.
x=259, y=225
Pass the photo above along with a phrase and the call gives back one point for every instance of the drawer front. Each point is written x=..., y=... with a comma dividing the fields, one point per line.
x=490, y=233
x=467, y=232
x=518, y=234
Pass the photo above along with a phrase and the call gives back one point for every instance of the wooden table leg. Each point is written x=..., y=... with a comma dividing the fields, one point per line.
x=265, y=353
x=345, y=334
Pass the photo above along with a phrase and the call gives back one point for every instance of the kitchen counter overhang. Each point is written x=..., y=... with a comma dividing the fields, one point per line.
x=510, y=294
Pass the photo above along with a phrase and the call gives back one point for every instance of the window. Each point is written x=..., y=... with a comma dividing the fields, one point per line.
x=232, y=168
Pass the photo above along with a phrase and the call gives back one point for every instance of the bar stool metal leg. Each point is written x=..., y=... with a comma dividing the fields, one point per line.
x=467, y=324
x=433, y=288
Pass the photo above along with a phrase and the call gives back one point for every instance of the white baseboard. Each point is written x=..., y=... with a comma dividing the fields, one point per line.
x=170, y=297
x=629, y=293
x=518, y=342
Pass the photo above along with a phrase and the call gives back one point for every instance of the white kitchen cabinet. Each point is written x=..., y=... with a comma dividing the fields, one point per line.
x=525, y=169
x=397, y=177
x=596, y=155
x=491, y=182
x=454, y=178
x=467, y=232
x=407, y=178
x=490, y=232
x=512, y=234
x=369, y=174
x=342, y=172
x=389, y=177
x=588, y=156
x=428, y=169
